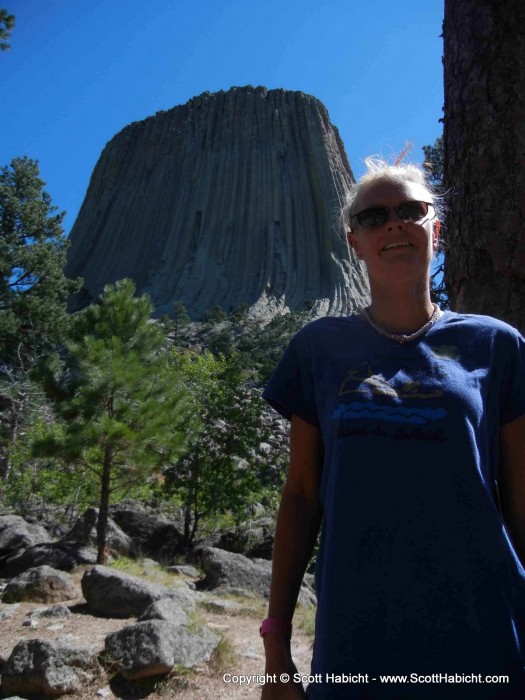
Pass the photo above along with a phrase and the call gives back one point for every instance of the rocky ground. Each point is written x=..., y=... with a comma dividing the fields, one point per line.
x=240, y=651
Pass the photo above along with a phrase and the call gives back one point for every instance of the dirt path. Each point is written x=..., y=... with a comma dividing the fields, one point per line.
x=241, y=654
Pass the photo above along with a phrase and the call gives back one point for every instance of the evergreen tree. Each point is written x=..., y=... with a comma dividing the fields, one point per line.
x=124, y=413
x=220, y=472
x=262, y=346
x=215, y=315
x=180, y=318
x=434, y=165
x=33, y=292
x=7, y=24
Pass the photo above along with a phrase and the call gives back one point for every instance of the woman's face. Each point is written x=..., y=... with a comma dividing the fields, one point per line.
x=396, y=250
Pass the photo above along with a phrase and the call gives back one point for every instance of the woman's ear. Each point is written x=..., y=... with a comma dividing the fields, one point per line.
x=354, y=244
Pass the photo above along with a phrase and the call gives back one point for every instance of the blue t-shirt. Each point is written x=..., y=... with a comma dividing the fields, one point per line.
x=416, y=573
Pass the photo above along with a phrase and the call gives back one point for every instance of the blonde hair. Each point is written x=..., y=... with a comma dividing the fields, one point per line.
x=379, y=169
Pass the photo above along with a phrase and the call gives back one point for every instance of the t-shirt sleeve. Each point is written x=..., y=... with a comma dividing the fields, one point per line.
x=291, y=389
x=513, y=394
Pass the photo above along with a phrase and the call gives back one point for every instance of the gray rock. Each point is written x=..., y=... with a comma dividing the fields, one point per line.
x=183, y=597
x=254, y=540
x=173, y=196
x=184, y=570
x=227, y=570
x=35, y=666
x=65, y=556
x=84, y=533
x=227, y=607
x=166, y=609
x=151, y=534
x=6, y=615
x=76, y=655
x=114, y=594
x=154, y=647
x=60, y=611
x=265, y=448
x=223, y=568
x=16, y=533
x=42, y=584
x=257, y=510
x=32, y=624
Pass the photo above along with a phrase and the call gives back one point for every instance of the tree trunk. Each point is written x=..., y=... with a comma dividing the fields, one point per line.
x=103, y=513
x=187, y=522
x=484, y=72
x=11, y=417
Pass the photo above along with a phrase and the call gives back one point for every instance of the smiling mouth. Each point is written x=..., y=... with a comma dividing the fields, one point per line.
x=397, y=245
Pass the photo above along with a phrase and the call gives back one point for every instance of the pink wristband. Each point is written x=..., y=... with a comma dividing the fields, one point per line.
x=275, y=625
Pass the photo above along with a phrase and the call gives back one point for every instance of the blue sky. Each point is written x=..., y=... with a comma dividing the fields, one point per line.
x=81, y=70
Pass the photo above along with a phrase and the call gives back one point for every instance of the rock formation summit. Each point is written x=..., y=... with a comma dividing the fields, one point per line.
x=230, y=199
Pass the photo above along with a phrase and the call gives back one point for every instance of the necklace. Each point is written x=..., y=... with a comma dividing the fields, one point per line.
x=401, y=338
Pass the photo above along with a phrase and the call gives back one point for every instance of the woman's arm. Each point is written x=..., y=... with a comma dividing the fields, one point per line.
x=512, y=482
x=295, y=535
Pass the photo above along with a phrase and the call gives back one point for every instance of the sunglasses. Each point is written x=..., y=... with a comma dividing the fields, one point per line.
x=407, y=212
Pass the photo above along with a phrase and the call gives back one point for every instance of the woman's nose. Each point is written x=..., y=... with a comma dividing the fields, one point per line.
x=394, y=220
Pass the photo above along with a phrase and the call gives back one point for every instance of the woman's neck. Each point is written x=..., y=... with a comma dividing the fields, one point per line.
x=401, y=312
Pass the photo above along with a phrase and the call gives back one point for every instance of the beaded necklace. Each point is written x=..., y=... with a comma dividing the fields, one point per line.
x=401, y=338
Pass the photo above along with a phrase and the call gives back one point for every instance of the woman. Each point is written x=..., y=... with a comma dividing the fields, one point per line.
x=408, y=442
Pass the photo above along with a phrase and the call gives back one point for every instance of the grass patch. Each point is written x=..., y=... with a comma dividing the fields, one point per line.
x=224, y=657
x=144, y=568
x=254, y=608
x=304, y=619
x=178, y=681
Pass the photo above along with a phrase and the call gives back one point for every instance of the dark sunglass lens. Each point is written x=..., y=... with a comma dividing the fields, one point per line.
x=412, y=211
x=375, y=216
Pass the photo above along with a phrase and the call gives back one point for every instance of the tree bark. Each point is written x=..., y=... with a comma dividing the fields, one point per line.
x=484, y=74
x=103, y=513
x=11, y=413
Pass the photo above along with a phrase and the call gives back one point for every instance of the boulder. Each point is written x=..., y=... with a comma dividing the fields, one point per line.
x=154, y=647
x=76, y=655
x=84, y=533
x=59, y=611
x=254, y=541
x=184, y=570
x=183, y=597
x=151, y=534
x=35, y=666
x=42, y=584
x=16, y=533
x=165, y=609
x=112, y=593
x=227, y=570
x=65, y=556
x=228, y=607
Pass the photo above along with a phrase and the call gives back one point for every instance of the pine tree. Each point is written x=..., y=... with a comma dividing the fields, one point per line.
x=7, y=24
x=33, y=292
x=434, y=165
x=220, y=472
x=124, y=413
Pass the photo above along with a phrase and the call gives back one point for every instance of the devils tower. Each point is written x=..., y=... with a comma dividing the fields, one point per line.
x=232, y=198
